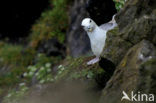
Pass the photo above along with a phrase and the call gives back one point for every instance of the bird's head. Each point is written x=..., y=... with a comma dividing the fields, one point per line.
x=88, y=24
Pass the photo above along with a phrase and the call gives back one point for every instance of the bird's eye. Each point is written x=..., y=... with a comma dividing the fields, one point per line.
x=90, y=21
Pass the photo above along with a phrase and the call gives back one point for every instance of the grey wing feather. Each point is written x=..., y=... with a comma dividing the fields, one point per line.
x=108, y=26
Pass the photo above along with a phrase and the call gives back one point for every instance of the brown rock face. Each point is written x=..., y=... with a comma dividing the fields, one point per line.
x=132, y=73
x=136, y=21
x=132, y=48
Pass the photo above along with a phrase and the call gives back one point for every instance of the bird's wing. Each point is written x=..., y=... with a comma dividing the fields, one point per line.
x=108, y=26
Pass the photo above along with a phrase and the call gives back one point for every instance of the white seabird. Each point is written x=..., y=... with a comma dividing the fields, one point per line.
x=97, y=35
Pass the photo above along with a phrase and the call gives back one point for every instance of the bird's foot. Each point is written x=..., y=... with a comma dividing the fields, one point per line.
x=93, y=61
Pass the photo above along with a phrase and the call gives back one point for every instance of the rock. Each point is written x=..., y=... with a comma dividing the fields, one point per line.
x=142, y=28
x=77, y=39
x=51, y=47
x=134, y=73
x=135, y=23
x=134, y=10
x=115, y=47
x=101, y=11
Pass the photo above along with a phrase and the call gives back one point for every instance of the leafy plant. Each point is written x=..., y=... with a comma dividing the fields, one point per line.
x=53, y=23
x=41, y=70
x=119, y=4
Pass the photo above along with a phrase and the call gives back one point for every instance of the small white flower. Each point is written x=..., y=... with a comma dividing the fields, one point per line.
x=42, y=68
x=33, y=69
x=31, y=73
x=60, y=66
x=9, y=95
x=48, y=70
x=22, y=84
x=51, y=80
x=42, y=81
x=25, y=74
x=29, y=67
x=37, y=74
x=48, y=65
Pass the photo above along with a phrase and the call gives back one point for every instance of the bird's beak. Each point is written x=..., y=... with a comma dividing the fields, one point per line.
x=90, y=29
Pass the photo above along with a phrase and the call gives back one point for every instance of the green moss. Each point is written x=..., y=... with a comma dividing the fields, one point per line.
x=150, y=62
x=15, y=61
x=53, y=23
x=10, y=54
x=77, y=69
x=14, y=96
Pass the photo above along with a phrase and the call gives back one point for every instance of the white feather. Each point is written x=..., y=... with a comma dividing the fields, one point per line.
x=97, y=40
x=97, y=35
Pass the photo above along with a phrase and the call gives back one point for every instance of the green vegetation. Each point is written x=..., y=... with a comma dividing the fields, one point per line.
x=75, y=69
x=71, y=69
x=12, y=60
x=41, y=70
x=119, y=4
x=17, y=60
x=14, y=96
x=53, y=23
x=21, y=64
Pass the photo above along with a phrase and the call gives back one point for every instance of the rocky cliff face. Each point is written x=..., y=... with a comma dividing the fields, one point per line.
x=128, y=60
x=132, y=49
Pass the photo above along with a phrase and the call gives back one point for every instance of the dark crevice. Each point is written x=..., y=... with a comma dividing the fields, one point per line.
x=103, y=78
x=101, y=11
x=52, y=47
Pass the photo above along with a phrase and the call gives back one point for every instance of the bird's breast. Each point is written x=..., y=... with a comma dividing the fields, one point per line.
x=97, y=42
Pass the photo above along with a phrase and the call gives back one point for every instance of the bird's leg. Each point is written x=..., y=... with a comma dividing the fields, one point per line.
x=93, y=61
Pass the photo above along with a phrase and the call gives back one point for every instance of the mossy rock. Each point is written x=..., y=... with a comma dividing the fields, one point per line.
x=134, y=73
x=77, y=69
x=115, y=47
